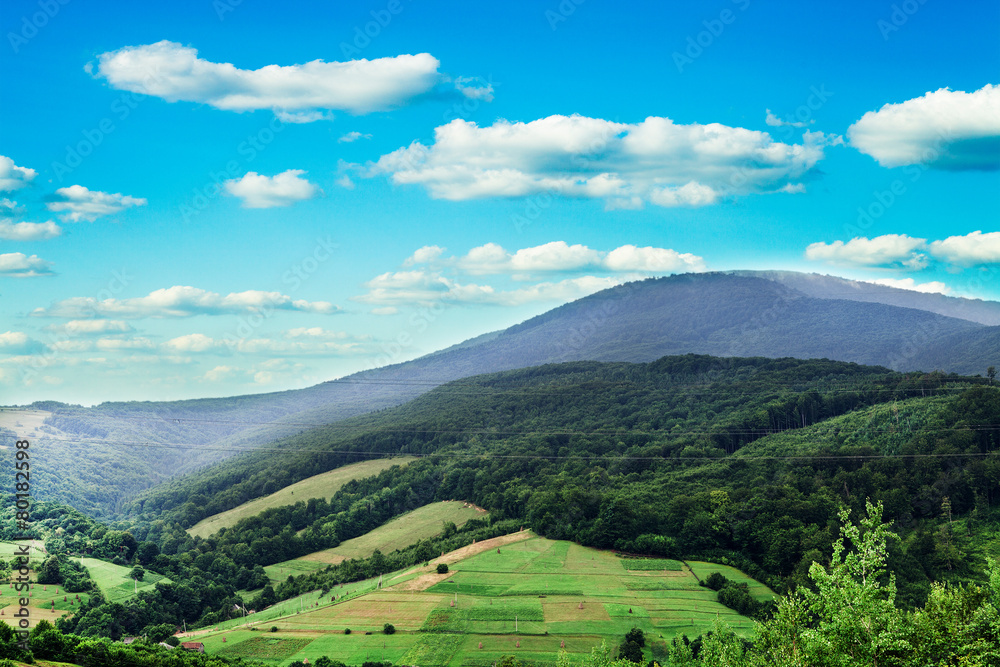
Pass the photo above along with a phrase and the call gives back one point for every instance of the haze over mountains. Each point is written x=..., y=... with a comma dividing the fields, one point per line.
x=744, y=313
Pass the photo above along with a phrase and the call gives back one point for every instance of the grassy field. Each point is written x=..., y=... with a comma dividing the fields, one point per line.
x=399, y=533
x=757, y=589
x=531, y=599
x=318, y=486
x=52, y=601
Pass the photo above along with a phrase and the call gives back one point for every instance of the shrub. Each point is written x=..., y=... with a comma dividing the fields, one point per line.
x=388, y=629
x=716, y=581
x=442, y=568
x=347, y=631
x=274, y=628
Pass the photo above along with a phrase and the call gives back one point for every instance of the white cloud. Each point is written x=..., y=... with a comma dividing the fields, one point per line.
x=302, y=117
x=301, y=341
x=558, y=256
x=409, y=287
x=353, y=136
x=19, y=265
x=345, y=182
x=224, y=373
x=95, y=327
x=13, y=177
x=182, y=301
x=969, y=250
x=195, y=342
x=284, y=189
x=175, y=73
x=774, y=121
x=83, y=204
x=888, y=250
x=385, y=310
x=943, y=129
x=424, y=255
x=18, y=342
x=28, y=231
x=474, y=88
x=652, y=260
x=657, y=161
x=934, y=287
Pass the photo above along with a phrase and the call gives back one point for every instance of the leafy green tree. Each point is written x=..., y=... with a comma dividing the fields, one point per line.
x=637, y=636
x=850, y=618
x=138, y=573
x=631, y=651
x=49, y=572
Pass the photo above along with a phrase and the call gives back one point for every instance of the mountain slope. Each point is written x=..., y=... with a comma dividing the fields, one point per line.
x=769, y=314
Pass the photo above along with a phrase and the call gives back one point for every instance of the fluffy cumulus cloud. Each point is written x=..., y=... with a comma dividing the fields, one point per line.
x=301, y=341
x=933, y=287
x=944, y=129
x=426, y=286
x=431, y=277
x=655, y=161
x=969, y=250
x=18, y=342
x=902, y=251
x=19, y=265
x=182, y=301
x=175, y=73
x=28, y=231
x=13, y=177
x=95, y=327
x=77, y=203
x=284, y=189
x=897, y=250
x=559, y=256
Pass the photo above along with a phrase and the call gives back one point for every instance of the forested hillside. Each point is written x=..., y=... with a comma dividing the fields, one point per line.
x=745, y=459
x=776, y=314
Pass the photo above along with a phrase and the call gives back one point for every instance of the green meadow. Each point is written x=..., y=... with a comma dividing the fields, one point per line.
x=52, y=601
x=532, y=598
x=324, y=485
x=401, y=532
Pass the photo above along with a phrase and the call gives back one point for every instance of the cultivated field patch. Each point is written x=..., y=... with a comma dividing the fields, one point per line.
x=323, y=485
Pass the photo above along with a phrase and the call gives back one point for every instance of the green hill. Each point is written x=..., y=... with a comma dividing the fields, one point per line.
x=323, y=485
x=531, y=598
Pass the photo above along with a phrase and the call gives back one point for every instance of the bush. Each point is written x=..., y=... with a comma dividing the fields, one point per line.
x=442, y=568
x=173, y=641
x=347, y=631
x=716, y=581
x=388, y=629
x=274, y=628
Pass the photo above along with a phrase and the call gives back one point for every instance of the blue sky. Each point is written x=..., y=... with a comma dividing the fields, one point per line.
x=210, y=198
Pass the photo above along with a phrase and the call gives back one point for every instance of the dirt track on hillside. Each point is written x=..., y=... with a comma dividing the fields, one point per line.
x=431, y=577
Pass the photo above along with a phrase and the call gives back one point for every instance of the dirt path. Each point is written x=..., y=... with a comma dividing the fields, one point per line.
x=431, y=577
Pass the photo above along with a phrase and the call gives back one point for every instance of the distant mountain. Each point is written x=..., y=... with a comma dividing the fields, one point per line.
x=831, y=287
x=768, y=314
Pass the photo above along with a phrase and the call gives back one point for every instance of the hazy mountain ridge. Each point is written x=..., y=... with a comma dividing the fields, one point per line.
x=766, y=314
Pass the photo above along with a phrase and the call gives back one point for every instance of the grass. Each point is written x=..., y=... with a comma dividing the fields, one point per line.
x=547, y=595
x=652, y=564
x=758, y=590
x=323, y=485
x=114, y=582
x=401, y=532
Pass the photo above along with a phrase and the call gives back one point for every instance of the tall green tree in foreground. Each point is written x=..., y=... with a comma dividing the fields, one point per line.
x=848, y=618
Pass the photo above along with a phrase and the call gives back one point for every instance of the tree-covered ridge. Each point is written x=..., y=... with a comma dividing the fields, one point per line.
x=635, y=457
